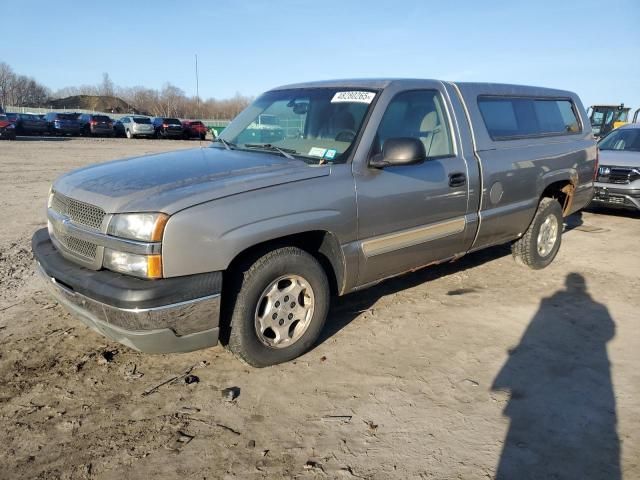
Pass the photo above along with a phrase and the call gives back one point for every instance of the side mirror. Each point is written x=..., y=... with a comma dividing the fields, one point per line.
x=399, y=151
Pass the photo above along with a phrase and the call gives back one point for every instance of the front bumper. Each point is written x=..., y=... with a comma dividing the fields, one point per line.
x=154, y=316
x=612, y=195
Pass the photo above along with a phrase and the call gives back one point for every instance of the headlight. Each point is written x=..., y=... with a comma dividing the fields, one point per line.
x=147, y=227
x=145, y=266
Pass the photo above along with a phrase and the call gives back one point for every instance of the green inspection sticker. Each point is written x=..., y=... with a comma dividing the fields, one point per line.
x=330, y=154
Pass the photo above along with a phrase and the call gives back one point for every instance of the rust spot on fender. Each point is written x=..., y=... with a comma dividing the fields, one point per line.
x=569, y=189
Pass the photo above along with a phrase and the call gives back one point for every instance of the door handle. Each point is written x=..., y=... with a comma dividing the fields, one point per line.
x=457, y=179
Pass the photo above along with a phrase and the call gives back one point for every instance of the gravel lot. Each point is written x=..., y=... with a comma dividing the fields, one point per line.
x=465, y=370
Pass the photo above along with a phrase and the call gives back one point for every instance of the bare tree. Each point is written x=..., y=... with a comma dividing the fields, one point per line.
x=107, y=88
x=20, y=90
x=170, y=101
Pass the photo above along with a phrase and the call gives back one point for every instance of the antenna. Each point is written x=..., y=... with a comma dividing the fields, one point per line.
x=197, y=94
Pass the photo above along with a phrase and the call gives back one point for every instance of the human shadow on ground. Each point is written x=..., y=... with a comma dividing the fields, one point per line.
x=562, y=407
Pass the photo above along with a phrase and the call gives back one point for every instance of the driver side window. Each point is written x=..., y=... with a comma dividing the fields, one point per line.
x=418, y=114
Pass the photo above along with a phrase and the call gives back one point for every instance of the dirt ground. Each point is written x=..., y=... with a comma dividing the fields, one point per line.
x=467, y=370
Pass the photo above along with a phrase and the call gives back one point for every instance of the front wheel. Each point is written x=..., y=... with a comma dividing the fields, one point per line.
x=279, y=307
x=129, y=134
x=540, y=243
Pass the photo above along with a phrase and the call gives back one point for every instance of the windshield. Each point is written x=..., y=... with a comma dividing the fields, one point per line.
x=318, y=124
x=624, y=139
x=142, y=120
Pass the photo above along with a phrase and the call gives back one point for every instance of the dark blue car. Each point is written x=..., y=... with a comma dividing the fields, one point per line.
x=63, y=123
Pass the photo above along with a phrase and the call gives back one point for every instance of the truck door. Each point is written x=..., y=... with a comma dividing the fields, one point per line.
x=413, y=215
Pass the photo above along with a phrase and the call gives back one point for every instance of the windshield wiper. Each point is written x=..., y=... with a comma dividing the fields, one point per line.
x=227, y=145
x=285, y=152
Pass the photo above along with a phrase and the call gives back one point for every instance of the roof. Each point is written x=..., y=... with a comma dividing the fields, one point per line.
x=380, y=83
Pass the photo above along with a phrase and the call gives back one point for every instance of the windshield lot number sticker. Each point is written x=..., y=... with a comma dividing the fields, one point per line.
x=353, y=97
x=317, y=152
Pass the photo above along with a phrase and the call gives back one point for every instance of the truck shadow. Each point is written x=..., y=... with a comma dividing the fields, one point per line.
x=562, y=407
x=347, y=308
x=613, y=212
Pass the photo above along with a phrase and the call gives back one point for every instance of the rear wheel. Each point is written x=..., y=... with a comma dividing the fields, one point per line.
x=540, y=243
x=203, y=136
x=129, y=134
x=279, y=307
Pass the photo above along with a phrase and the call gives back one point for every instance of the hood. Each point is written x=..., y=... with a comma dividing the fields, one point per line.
x=619, y=158
x=169, y=182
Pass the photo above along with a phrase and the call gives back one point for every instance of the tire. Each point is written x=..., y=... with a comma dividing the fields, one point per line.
x=203, y=136
x=128, y=134
x=540, y=243
x=270, y=277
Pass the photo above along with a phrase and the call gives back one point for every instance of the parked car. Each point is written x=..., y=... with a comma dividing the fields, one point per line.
x=7, y=128
x=30, y=124
x=386, y=177
x=96, y=124
x=12, y=117
x=168, y=127
x=618, y=181
x=63, y=123
x=118, y=128
x=134, y=126
x=194, y=129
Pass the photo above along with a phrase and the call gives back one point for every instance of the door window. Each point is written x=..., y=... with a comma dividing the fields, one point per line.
x=418, y=114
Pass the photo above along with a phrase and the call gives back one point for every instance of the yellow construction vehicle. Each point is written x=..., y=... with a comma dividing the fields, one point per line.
x=605, y=118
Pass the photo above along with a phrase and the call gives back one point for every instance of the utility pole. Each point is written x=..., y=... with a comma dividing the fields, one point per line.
x=197, y=89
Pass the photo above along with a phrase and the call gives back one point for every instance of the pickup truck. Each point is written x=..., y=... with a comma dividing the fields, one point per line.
x=245, y=243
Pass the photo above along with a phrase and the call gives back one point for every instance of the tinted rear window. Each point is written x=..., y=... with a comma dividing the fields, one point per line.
x=511, y=117
x=196, y=124
x=172, y=121
x=101, y=118
x=141, y=120
x=67, y=116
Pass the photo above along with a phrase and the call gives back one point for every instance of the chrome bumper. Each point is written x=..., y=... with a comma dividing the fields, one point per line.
x=178, y=327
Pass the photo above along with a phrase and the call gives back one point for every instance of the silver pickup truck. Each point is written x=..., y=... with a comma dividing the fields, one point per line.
x=354, y=181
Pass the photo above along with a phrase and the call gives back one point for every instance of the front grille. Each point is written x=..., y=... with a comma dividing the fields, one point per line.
x=618, y=175
x=79, y=212
x=80, y=247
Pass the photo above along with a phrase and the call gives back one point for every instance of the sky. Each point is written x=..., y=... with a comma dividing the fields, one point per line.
x=590, y=47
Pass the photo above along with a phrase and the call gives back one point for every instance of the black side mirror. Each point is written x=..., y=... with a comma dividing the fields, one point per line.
x=399, y=151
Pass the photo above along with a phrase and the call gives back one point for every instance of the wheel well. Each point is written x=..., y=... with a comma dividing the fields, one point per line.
x=561, y=191
x=324, y=246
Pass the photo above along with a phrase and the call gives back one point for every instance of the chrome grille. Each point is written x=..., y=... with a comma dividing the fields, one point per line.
x=80, y=247
x=79, y=212
x=619, y=175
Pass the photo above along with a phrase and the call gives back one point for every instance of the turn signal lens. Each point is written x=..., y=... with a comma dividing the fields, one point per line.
x=143, y=266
